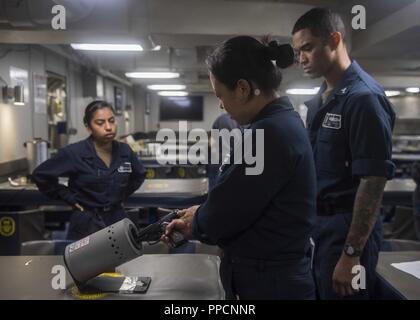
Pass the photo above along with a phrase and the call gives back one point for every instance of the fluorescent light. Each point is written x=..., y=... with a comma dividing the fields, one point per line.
x=107, y=47
x=392, y=93
x=157, y=48
x=166, y=87
x=152, y=75
x=19, y=103
x=413, y=90
x=296, y=91
x=173, y=93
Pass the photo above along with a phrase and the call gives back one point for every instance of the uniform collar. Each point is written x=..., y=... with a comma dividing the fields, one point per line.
x=352, y=72
x=88, y=152
x=282, y=103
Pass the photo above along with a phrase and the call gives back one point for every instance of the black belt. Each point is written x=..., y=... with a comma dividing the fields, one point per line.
x=326, y=208
x=283, y=260
x=104, y=209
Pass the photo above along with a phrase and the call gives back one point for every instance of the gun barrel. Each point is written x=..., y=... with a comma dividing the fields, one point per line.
x=154, y=230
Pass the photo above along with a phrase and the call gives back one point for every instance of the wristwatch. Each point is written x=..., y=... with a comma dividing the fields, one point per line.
x=351, y=251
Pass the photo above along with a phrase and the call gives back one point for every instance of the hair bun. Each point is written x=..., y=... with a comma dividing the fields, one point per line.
x=283, y=54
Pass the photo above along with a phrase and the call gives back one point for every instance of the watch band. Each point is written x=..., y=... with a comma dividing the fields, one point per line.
x=351, y=251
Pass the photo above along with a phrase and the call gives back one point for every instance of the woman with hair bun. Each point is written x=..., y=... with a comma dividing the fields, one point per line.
x=262, y=222
x=102, y=173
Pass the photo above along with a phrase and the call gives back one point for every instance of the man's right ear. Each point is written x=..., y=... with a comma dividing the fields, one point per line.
x=335, y=39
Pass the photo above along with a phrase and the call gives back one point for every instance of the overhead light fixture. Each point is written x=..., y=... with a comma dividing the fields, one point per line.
x=392, y=93
x=106, y=47
x=173, y=93
x=296, y=91
x=413, y=90
x=166, y=87
x=152, y=75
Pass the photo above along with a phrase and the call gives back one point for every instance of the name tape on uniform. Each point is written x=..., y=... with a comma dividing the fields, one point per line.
x=332, y=121
x=125, y=168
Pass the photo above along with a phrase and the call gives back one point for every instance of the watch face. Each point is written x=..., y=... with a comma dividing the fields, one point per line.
x=351, y=251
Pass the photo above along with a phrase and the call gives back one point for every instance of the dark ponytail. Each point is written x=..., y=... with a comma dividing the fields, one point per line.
x=283, y=54
x=246, y=58
x=92, y=107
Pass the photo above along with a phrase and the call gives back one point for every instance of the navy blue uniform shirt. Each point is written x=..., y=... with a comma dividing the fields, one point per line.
x=272, y=214
x=351, y=136
x=224, y=121
x=91, y=182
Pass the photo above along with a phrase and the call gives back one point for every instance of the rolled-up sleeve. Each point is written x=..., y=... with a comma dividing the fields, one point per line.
x=370, y=136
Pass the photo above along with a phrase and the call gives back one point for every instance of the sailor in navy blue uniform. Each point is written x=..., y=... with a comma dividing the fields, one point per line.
x=98, y=181
x=262, y=222
x=350, y=123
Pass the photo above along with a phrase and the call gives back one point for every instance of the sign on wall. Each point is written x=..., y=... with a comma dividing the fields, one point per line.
x=118, y=100
x=40, y=93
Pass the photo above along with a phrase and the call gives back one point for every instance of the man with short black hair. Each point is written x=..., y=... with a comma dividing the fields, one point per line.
x=350, y=123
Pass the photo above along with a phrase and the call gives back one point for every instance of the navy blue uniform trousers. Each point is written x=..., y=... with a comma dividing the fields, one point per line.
x=252, y=279
x=87, y=222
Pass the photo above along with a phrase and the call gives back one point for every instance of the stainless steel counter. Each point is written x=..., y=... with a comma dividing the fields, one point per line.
x=152, y=193
x=406, y=285
x=174, y=277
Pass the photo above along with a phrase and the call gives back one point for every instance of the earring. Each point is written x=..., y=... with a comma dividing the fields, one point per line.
x=257, y=92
